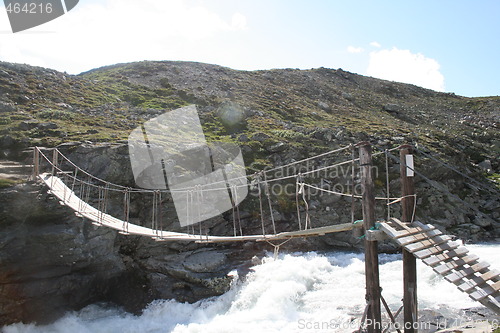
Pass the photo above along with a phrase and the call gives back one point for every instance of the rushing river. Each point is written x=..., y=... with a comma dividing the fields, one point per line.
x=300, y=292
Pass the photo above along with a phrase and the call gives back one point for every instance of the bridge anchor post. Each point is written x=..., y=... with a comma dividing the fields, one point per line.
x=410, y=302
x=374, y=316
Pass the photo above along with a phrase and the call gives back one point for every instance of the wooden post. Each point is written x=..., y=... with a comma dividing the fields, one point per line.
x=374, y=318
x=410, y=313
x=36, y=161
x=55, y=157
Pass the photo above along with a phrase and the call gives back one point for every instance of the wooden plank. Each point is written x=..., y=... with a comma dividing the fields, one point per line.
x=411, y=231
x=436, y=250
x=471, y=282
x=439, y=258
x=427, y=243
x=482, y=292
x=418, y=230
x=496, y=285
x=403, y=241
x=390, y=231
x=463, y=272
x=492, y=275
x=448, y=266
x=401, y=224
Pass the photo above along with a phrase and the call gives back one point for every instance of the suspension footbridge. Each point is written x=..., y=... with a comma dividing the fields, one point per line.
x=88, y=197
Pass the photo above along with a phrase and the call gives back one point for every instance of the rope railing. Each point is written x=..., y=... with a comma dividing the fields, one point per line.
x=442, y=188
x=450, y=167
x=94, y=191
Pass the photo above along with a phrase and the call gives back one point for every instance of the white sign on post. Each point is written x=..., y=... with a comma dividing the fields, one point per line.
x=409, y=166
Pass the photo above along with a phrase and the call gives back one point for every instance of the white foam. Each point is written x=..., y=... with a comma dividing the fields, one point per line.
x=305, y=292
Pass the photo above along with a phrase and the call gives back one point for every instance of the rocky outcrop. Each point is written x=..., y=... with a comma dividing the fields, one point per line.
x=50, y=261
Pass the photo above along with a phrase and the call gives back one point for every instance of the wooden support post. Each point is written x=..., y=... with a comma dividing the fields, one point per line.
x=36, y=161
x=410, y=302
x=55, y=157
x=374, y=317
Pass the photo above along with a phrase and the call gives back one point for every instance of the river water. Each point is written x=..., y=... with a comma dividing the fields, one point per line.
x=299, y=292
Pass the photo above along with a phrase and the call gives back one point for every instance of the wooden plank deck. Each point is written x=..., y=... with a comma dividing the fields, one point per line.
x=82, y=209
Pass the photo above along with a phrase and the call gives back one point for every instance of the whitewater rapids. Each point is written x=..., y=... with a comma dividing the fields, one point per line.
x=299, y=292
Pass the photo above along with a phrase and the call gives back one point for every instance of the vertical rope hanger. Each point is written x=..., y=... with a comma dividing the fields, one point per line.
x=237, y=208
x=161, y=215
x=302, y=191
x=199, y=199
x=234, y=211
x=126, y=209
x=268, y=194
x=299, y=186
x=258, y=180
x=154, y=213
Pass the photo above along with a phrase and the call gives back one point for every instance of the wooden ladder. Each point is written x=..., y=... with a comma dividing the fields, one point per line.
x=449, y=259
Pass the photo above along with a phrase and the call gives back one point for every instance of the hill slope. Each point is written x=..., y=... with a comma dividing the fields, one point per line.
x=101, y=105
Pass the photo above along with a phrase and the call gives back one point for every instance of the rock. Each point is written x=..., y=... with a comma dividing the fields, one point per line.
x=392, y=108
x=27, y=125
x=69, y=144
x=486, y=166
x=260, y=137
x=7, y=141
x=277, y=147
x=243, y=138
x=47, y=126
x=64, y=105
x=7, y=107
x=482, y=222
x=324, y=106
x=205, y=261
x=347, y=96
x=51, y=261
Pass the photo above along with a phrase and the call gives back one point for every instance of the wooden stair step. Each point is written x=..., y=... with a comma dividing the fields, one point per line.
x=439, y=258
x=427, y=243
x=492, y=275
x=482, y=292
x=422, y=254
x=403, y=241
x=463, y=272
x=448, y=266
x=475, y=281
x=412, y=231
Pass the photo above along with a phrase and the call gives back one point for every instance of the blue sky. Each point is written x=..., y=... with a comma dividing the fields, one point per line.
x=444, y=45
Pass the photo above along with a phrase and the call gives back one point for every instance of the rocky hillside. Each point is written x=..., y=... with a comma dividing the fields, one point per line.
x=52, y=262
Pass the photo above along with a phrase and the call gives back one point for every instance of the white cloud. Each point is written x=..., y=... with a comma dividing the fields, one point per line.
x=375, y=44
x=239, y=21
x=352, y=49
x=112, y=31
x=404, y=66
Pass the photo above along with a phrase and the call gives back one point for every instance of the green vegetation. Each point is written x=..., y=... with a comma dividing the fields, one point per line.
x=495, y=177
x=310, y=111
x=6, y=182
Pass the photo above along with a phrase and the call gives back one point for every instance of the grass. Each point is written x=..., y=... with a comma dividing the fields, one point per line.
x=106, y=104
x=6, y=182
